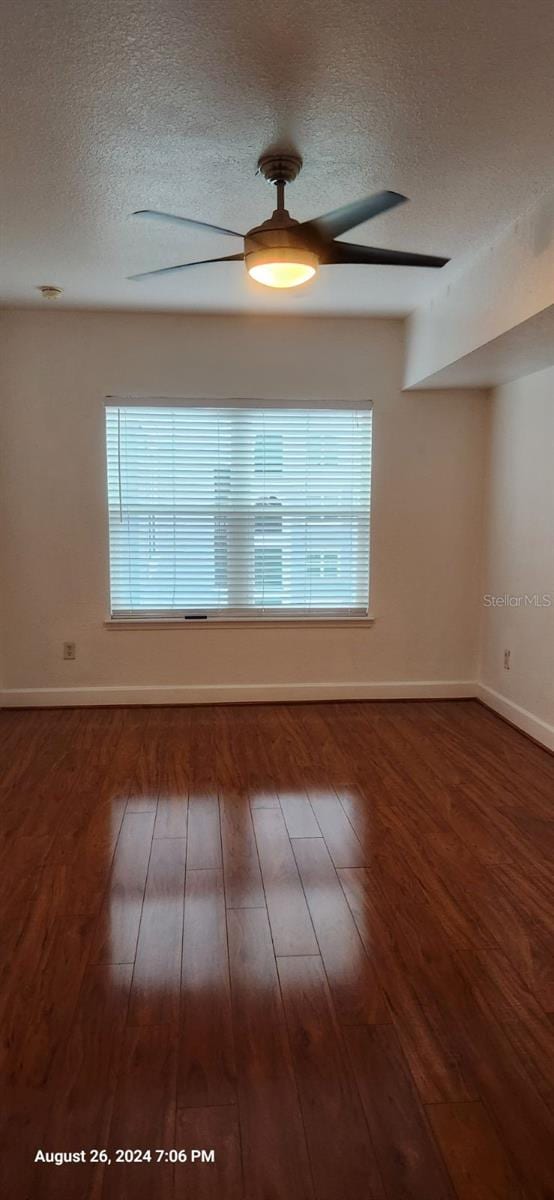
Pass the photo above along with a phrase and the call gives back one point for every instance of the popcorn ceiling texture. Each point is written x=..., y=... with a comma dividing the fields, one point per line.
x=124, y=104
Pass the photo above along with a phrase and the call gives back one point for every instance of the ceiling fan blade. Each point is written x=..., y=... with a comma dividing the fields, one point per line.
x=348, y=252
x=183, y=266
x=331, y=224
x=162, y=216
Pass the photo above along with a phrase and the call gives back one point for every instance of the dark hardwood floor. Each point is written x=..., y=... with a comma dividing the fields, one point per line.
x=315, y=939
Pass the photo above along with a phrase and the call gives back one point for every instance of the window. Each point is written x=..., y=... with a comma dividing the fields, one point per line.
x=238, y=511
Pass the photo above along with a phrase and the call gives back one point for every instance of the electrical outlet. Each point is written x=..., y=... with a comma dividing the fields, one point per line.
x=69, y=650
x=507, y=660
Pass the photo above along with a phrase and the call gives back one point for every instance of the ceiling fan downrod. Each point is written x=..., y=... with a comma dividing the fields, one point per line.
x=278, y=170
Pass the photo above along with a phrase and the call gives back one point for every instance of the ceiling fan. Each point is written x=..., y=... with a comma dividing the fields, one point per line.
x=282, y=252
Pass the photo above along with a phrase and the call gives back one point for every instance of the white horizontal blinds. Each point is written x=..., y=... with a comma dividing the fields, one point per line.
x=238, y=511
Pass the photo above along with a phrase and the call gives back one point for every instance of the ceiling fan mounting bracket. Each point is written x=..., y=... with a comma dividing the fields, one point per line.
x=279, y=168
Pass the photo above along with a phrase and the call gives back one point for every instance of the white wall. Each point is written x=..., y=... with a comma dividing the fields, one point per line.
x=428, y=459
x=519, y=554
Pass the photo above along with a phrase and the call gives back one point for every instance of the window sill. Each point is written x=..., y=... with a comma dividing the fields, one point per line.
x=242, y=623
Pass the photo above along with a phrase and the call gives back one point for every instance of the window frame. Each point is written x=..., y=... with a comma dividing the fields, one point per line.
x=219, y=619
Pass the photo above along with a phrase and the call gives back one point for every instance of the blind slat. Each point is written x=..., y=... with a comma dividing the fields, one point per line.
x=238, y=512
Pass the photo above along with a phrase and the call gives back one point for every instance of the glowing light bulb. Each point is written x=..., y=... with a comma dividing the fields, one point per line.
x=281, y=266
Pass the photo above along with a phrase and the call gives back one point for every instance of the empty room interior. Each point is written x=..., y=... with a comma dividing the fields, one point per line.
x=277, y=600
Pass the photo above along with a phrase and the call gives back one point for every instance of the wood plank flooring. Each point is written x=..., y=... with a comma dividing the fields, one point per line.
x=314, y=939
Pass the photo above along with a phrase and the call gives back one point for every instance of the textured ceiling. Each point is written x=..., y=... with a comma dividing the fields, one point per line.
x=122, y=104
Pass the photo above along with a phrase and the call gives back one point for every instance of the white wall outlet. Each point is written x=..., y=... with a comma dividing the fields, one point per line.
x=69, y=650
x=507, y=660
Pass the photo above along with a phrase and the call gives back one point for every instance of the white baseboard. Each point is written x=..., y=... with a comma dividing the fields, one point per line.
x=268, y=693
x=256, y=693
x=540, y=730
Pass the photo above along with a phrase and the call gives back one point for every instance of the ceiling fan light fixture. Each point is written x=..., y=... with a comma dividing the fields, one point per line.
x=281, y=266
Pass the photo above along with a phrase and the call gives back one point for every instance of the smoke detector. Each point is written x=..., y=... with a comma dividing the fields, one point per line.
x=49, y=291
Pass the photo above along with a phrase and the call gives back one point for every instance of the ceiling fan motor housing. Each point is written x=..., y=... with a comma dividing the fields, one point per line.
x=280, y=234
